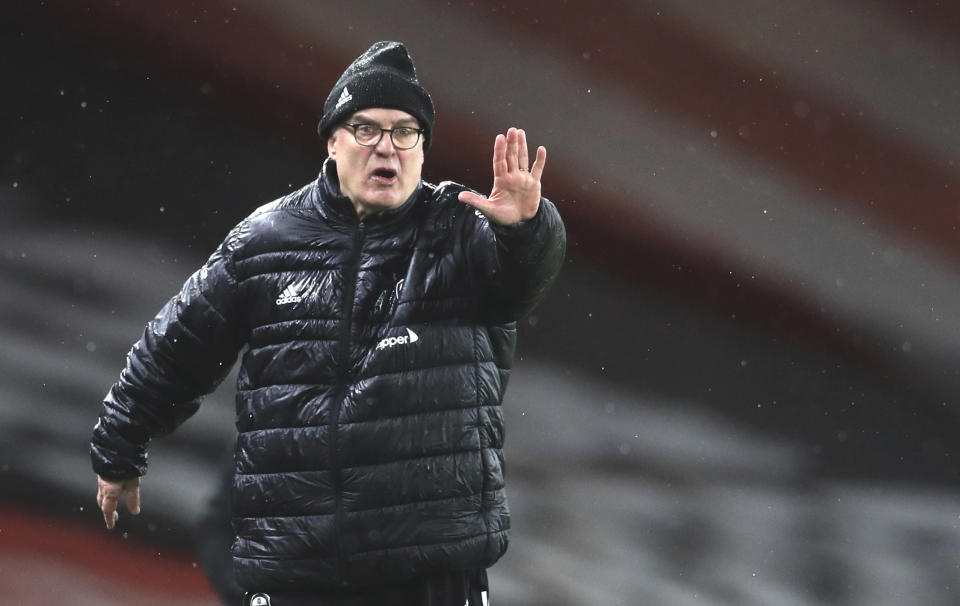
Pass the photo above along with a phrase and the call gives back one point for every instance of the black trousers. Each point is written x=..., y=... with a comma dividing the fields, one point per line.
x=454, y=588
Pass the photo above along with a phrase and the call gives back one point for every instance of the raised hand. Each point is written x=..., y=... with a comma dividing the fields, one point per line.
x=516, y=186
x=108, y=498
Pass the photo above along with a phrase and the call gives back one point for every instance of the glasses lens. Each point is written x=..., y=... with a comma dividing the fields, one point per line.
x=367, y=134
x=405, y=138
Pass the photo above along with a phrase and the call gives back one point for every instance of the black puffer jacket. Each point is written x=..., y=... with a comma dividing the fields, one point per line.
x=369, y=397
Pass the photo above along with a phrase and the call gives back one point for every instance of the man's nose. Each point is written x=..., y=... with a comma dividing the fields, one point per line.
x=385, y=144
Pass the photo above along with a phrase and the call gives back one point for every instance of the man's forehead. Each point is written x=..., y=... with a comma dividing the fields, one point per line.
x=382, y=115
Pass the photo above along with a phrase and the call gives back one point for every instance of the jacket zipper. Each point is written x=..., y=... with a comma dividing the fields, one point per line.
x=346, y=330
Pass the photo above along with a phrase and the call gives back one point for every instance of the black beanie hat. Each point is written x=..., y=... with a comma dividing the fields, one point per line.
x=383, y=76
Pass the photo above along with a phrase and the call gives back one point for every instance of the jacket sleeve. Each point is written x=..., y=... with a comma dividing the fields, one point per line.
x=184, y=353
x=520, y=262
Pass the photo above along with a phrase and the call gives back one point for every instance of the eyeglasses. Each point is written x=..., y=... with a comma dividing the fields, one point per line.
x=369, y=135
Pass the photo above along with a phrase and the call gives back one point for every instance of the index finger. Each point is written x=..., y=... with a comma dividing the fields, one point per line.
x=107, y=498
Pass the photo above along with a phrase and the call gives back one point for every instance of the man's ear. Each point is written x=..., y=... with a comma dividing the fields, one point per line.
x=331, y=150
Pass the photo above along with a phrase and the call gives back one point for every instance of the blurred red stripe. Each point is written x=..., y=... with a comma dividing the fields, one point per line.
x=752, y=106
x=104, y=553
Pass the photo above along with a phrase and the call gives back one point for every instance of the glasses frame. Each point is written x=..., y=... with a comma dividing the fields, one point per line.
x=354, y=125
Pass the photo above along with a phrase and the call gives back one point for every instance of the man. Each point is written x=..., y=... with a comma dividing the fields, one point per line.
x=378, y=312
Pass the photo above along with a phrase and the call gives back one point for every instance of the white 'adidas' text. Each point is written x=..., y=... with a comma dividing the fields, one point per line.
x=289, y=295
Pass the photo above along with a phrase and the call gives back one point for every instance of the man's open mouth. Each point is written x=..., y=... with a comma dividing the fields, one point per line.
x=384, y=175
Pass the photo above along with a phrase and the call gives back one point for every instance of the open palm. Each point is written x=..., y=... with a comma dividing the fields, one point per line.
x=515, y=196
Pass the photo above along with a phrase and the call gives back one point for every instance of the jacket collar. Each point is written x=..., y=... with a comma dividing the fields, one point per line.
x=338, y=209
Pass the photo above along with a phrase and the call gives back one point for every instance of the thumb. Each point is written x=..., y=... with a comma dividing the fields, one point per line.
x=474, y=200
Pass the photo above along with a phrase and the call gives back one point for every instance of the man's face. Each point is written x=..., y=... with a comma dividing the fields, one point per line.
x=381, y=177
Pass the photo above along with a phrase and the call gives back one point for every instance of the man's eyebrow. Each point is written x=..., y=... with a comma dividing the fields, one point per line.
x=368, y=120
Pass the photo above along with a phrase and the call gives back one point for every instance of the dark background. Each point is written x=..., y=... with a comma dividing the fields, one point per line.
x=741, y=390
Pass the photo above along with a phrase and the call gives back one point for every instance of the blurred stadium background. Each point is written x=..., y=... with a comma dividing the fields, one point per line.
x=742, y=389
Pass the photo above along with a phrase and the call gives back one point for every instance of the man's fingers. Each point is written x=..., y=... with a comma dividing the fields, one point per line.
x=133, y=497
x=539, y=163
x=108, y=505
x=513, y=146
x=499, y=156
x=523, y=156
x=108, y=498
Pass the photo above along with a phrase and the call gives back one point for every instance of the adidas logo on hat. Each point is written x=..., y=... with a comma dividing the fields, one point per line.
x=345, y=97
